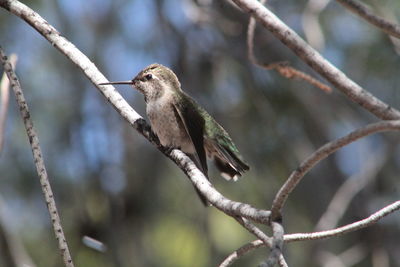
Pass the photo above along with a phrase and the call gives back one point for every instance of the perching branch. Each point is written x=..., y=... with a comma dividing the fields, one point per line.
x=39, y=162
x=364, y=12
x=5, y=97
x=309, y=55
x=229, y=207
x=129, y=114
x=323, y=152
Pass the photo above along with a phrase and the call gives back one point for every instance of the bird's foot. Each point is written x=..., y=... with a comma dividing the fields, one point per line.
x=168, y=149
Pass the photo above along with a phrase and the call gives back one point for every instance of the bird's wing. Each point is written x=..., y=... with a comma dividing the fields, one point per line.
x=230, y=153
x=194, y=126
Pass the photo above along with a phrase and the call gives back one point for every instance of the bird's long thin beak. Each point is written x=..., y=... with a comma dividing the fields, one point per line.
x=120, y=82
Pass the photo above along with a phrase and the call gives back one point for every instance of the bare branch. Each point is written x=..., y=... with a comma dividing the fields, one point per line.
x=255, y=231
x=309, y=55
x=39, y=162
x=282, y=68
x=321, y=154
x=364, y=12
x=277, y=244
x=375, y=217
x=5, y=97
x=370, y=220
x=241, y=251
x=129, y=114
x=229, y=207
x=263, y=241
x=251, y=27
x=291, y=73
x=389, y=14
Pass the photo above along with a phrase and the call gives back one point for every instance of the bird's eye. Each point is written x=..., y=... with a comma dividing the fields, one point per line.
x=148, y=77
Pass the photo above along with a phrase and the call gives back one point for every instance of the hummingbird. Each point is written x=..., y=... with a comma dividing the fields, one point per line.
x=180, y=122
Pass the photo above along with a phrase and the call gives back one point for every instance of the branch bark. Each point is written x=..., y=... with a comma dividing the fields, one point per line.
x=310, y=56
x=274, y=243
x=370, y=220
x=373, y=218
x=323, y=152
x=39, y=162
x=364, y=12
x=282, y=68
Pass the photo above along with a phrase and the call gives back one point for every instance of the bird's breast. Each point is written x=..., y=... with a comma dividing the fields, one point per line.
x=168, y=126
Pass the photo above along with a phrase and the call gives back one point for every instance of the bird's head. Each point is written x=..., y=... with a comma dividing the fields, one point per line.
x=153, y=82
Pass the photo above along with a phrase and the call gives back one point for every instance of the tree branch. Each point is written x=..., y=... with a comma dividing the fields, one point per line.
x=129, y=114
x=309, y=55
x=361, y=10
x=39, y=162
x=241, y=251
x=323, y=152
x=277, y=243
x=264, y=240
x=373, y=218
x=282, y=68
x=370, y=220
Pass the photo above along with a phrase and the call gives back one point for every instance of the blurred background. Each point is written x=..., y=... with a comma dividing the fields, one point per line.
x=110, y=184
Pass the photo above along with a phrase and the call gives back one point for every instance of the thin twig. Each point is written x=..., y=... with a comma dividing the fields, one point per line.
x=254, y=230
x=309, y=55
x=268, y=241
x=241, y=251
x=282, y=68
x=39, y=162
x=364, y=12
x=264, y=240
x=129, y=114
x=291, y=73
x=389, y=14
x=370, y=220
x=5, y=97
x=373, y=218
x=321, y=154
